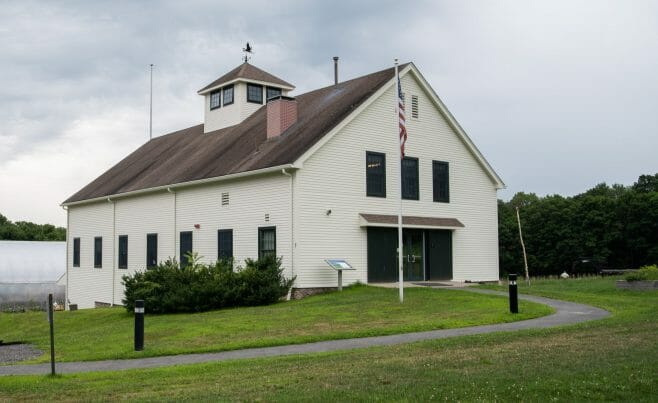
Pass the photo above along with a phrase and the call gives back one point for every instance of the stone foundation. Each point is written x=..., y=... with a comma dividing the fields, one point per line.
x=637, y=285
x=99, y=304
x=299, y=293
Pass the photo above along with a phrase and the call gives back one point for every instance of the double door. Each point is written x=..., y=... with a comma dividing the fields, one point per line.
x=427, y=254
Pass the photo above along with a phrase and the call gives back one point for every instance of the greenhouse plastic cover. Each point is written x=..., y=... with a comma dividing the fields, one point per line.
x=32, y=261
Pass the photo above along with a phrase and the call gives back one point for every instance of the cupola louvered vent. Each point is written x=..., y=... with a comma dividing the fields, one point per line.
x=414, y=106
x=225, y=199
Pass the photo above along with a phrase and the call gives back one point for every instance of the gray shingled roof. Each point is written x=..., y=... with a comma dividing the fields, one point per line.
x=189, y=154
x=249, y=72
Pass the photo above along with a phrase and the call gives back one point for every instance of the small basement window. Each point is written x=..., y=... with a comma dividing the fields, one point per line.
x=215, y=99
x=255, y=93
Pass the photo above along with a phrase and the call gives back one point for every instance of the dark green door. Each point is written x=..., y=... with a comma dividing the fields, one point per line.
x=382, y=254
x=412, y=255
x=439, y=254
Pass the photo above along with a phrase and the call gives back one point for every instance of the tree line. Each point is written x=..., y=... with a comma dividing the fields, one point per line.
x=28, y=231
x=612, y=227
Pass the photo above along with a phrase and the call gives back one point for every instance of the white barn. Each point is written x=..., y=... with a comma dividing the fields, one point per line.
x=305, y=178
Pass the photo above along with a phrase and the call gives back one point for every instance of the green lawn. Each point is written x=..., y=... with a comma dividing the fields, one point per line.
x=614, y=359
x=358, y=311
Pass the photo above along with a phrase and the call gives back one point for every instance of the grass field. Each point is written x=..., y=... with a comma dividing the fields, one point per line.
x=614, y=359
x=356, y=312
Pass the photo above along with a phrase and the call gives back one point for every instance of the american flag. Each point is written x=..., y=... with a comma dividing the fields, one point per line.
x=402, y=120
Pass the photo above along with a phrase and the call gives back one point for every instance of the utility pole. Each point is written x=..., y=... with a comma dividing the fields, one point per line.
x=525, y=258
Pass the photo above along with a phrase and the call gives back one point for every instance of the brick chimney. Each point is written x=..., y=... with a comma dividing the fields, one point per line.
x=281, y=114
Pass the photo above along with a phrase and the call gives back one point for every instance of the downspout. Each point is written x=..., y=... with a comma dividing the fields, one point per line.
x=174, y=193
x=292, y=228
x=66, y=290
x=114, y=247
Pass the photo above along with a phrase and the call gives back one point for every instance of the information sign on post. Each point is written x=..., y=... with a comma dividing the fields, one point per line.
x=339, y=265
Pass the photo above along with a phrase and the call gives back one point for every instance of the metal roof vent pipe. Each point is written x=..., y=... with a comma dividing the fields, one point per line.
x=335, y=70
x=281, y=114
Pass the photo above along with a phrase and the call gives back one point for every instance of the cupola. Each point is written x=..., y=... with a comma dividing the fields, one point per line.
x=233, y=97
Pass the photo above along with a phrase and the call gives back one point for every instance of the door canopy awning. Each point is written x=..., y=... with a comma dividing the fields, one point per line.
x=388, y=220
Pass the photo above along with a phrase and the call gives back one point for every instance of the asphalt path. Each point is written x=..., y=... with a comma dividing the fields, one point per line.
x=567, y=313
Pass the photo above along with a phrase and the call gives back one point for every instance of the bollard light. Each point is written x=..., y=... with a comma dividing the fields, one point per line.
x=513, y=294
x=139, y=325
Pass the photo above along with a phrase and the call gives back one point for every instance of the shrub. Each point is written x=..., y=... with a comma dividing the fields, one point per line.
x=169, y=288
x=644, y=273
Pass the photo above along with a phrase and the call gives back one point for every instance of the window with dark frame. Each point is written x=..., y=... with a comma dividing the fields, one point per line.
x=225, y=244
x=215, y=99
x=375, y=174
x=228, y=95
x=266, y=242
x=76, y=252
x=273, y=92
x=98, y=252
x=185, y=247
x=440, y=182
x=255, y=93
x=151, y=250
x=410, y=178
x=123, y=251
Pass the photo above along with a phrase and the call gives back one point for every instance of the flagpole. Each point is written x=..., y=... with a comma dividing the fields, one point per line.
x=397, y=112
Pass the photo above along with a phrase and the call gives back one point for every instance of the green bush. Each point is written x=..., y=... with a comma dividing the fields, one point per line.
x=644, y=273
x=169, y=288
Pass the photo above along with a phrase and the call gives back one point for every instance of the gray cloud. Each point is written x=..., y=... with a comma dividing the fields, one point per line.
x=558, y=95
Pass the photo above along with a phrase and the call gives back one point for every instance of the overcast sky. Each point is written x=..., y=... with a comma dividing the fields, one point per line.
x=558, y=95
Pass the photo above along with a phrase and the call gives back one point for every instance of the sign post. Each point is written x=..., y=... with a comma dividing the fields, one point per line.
x=339, y=265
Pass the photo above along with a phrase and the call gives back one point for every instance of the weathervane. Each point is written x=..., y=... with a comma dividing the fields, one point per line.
x=247, y=51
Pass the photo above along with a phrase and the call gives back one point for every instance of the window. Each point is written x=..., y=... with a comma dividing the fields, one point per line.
x=375, y=174
x=151, y=250
x=214, y=99
x=225, y=244
x=98, y=252
x=410, y=178
x=76, y=252
x=255, y=93
x=123, y=251
x=185, y=247
x=228, y=95
x=273, y=92
x=440, y=182
x=266, y=242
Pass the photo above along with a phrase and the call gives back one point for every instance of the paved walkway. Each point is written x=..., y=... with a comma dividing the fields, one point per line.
x=566, y=313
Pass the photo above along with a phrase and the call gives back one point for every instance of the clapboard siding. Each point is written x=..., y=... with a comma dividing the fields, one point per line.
x=250, y=200
x=86, y=283
x=334, y=178
x=136, y=217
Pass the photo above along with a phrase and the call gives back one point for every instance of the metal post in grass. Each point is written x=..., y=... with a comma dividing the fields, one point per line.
x=139, y=325
x=51, y=320
x=513, y=294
